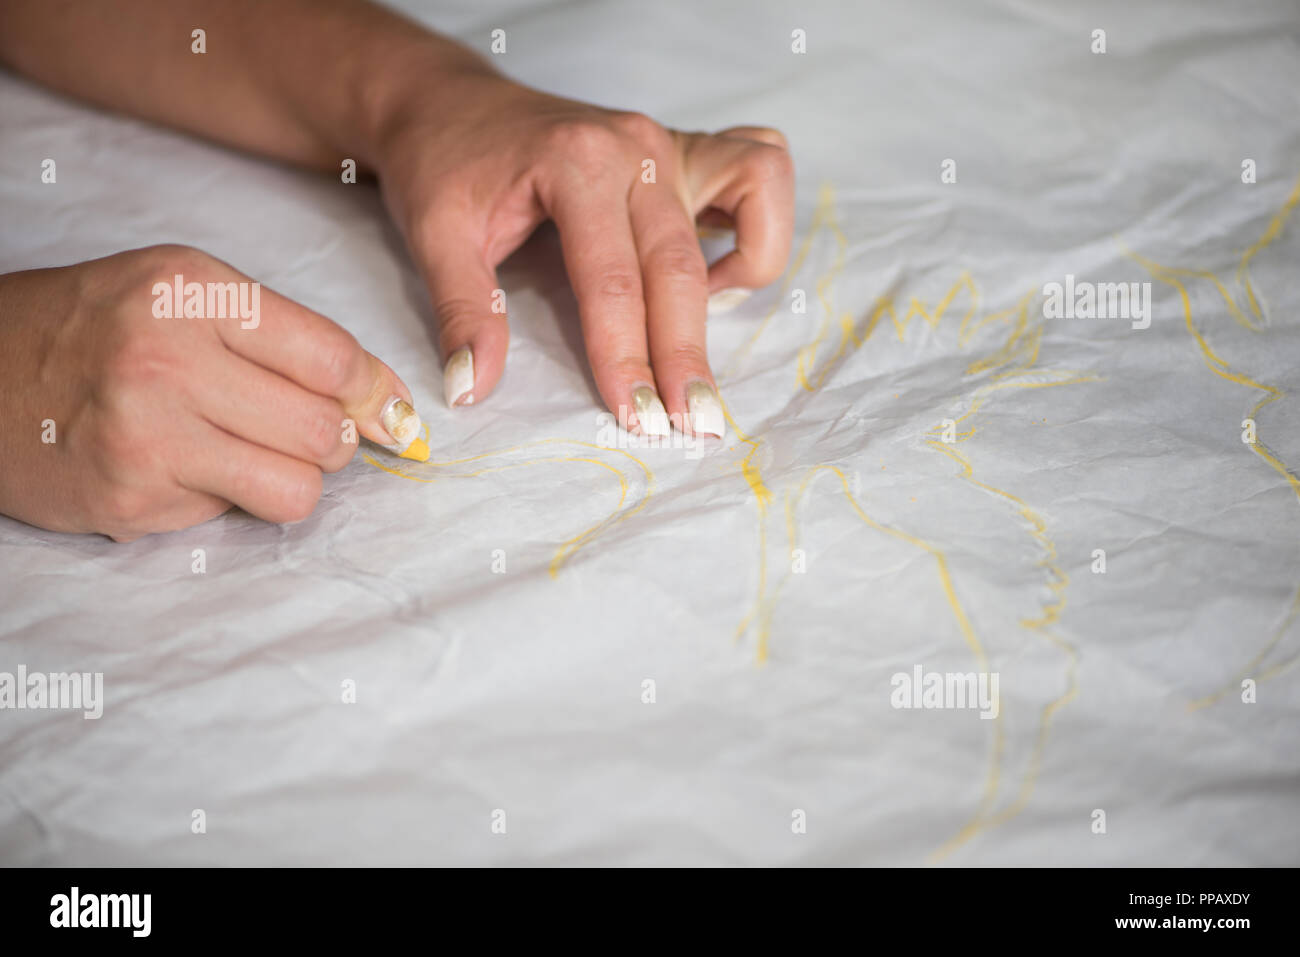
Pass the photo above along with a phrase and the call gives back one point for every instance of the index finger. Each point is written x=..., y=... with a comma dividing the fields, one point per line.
x=600, y=257
x=320, y=355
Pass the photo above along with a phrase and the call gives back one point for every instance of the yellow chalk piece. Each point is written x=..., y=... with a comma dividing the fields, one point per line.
x=417, y=450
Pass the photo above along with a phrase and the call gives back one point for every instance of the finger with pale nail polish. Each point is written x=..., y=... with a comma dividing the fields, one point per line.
x=705, y=407
x=725, y=300
x=651, y=417
x=458, y=378
x=403, y=425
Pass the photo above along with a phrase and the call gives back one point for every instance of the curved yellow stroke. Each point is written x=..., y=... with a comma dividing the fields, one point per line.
x=1271, y=233
x=1020, y=351
x=807, y=356
x=962, y=619
x=824, y=208
x=823, y=218
x=1220, y=367
x=570, y=546
x=749, y=469
x=882, y=307
x=1058, y=582
x=753, y=477
x=1021, y=348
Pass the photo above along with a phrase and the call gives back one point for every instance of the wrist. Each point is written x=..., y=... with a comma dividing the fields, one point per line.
x=427, y=82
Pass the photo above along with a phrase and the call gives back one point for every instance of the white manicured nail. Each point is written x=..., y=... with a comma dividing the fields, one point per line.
x=724, y=300
x=401, y=422
x=706, y=410
x=458, y=378
x=651, y=415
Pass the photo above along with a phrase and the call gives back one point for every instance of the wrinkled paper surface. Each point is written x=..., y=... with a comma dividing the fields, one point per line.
x=500, y=608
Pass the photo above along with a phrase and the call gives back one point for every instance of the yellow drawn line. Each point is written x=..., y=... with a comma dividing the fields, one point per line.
x=1058, y=583
x=1016, y=345
x=762, y=498
x=966, y=332
x=962, y=620
x=1220, y=367
x=1021, y=347
x=1273, y=231
x=569, y=547
x=883, y=306
x=1292, y=613
x=808, y=354
x=1058, y=579
x=1072, y=377
x=823, y=213
x=916, y=307
x=824, y=208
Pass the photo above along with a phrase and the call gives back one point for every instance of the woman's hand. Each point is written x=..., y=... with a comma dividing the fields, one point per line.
x=470, y=163
x=121, y=421
x=468, y=186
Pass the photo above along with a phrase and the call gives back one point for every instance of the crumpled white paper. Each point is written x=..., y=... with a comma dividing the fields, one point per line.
x=498, y=612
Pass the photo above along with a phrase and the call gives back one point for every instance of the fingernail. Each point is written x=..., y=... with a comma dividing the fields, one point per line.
x=706, y=410
x=724, y=300
x=401, y=422
x=458, y=378
x=651, y=415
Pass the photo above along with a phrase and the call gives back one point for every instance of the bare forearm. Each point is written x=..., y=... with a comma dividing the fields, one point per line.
x=306, y=81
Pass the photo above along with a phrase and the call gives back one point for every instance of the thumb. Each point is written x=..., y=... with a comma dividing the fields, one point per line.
x=472, y=330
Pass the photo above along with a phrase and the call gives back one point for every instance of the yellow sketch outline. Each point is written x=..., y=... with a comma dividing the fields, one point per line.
x=1220, y=367
x=569, y=547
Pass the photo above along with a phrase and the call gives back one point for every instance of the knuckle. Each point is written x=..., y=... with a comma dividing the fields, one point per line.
x=338, y=359
x=137, y=361
x=624, y=368
x=771, y=136
x=169, y=259
x=766, y=163
x=619, y=285
x=339, y=457
x=123, y=510
x=640, y=127
x=458, y=315
x=300, y=494
x=689, y=356
x=583, y=141
x=324, y=432
x=680, y=264
x=166, y=254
